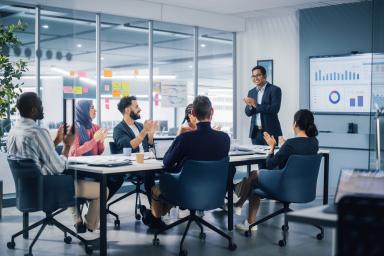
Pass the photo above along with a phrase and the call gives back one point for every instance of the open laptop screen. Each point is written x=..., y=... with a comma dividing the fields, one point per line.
x=354, y=181
x=161, y=145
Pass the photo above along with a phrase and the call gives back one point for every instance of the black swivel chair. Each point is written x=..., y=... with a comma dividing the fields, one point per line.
x=200, y=186
x=360, y=225
x=135, y=179
x=295, y=183
x=51, y=194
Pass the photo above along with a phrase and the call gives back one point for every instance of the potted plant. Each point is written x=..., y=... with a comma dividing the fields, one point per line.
x=10, y=72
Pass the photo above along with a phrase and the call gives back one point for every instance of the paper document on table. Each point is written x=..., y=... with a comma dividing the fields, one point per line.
x=99, y=160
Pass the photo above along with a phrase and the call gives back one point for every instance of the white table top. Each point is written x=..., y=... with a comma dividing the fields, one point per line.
x=149, y=164
x=314, y=215
x=152, y=164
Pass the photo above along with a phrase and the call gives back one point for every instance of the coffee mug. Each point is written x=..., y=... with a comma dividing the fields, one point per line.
x=127, y=151
x=140, y=158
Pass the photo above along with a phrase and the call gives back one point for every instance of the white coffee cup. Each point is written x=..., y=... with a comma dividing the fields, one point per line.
x=127, y=151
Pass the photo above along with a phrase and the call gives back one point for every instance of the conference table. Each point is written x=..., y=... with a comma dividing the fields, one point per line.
x=101, y=173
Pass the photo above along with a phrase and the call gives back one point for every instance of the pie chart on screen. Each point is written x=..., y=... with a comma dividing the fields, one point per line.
x=334, y=97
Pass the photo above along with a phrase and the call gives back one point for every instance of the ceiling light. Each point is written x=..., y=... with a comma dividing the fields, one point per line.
x=203, y=45
x=79, y=45
x=45, y=26
x=190, y=66
x=102, y=58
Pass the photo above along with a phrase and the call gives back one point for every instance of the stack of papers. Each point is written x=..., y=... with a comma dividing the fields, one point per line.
x=112, y=160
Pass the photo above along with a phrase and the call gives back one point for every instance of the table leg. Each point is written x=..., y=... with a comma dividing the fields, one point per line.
x=25, y=224
x=103, y=215
x=326, y=178
x=231, y=174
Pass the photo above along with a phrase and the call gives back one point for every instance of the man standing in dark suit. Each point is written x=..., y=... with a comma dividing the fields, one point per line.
x=263, y=105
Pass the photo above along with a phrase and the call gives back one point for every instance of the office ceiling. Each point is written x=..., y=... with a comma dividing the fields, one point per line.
x=124, y=45
x=249, y=8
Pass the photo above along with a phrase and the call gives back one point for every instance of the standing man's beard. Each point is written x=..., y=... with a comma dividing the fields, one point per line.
x=134, y=116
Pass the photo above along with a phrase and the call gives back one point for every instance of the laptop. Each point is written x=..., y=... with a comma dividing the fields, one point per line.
x=161, y=146
x=357, y=181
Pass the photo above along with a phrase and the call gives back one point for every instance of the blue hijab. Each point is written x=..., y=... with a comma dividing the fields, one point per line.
x=83, y=121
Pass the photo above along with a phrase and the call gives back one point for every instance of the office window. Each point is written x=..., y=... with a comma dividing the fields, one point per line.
x=26, y=51
x=215, y=74
x=124, y=66
x=172, y=73
x=68, y=66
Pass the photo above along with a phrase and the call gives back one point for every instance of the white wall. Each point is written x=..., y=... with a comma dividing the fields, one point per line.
x=274, y=38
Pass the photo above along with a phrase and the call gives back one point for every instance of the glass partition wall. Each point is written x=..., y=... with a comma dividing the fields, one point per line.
x=376, y=161
x=163, y=64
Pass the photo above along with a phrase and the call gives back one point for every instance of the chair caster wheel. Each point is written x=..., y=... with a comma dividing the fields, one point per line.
x=138, y=216
x=11, y=245
x=285, y=227
x=28, y=254
x=282, y=243
x=67, y=239
x=202, y=236
x=156, y=241
x=183, y=253
x=247, y=234
x=117, y=224
x=320, y=236
x=88, y=250
x=232, y=247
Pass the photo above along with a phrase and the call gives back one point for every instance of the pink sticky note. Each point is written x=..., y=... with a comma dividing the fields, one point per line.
x=106, y=100
x=81, y=73
x=67, y=89
x=106, y=106
x=85, y=89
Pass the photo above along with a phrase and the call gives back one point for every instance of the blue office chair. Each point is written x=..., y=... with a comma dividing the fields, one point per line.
x=295, y=183
x=135, y=179
x=51, y=194
x=360, y=225
x=200, y=186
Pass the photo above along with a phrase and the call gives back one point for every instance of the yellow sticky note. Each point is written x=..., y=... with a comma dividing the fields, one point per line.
x=125, y=92
x=115, y=93
x=116, y=85
x=125, y=85
x=78, y=90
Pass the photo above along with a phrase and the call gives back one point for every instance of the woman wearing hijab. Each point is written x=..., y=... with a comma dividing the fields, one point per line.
x=89, y=140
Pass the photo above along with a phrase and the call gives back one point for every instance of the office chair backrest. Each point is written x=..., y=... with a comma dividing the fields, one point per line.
x=36, y=192
x=28, y=183
x=113, y=148
x=203, y=184
x=360, y=225
x=297, y=182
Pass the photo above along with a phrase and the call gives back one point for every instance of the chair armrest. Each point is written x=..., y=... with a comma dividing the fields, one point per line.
x=58, y=192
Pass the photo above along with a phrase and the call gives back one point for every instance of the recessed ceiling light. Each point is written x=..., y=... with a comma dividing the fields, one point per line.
x=202, y=45
x=102, y=58
x=79, y=45
x=190, y=66
x=45, y=26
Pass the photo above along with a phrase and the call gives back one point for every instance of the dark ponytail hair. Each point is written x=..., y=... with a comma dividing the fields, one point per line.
x=305, y=121
x=188, y=110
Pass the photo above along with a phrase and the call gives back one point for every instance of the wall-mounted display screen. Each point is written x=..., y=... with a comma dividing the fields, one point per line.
x=343, y=84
